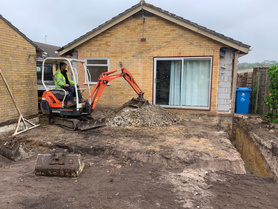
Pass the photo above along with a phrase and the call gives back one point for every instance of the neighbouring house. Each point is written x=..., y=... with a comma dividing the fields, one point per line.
x=179, y=64
x=48, y=50
x=18, y=64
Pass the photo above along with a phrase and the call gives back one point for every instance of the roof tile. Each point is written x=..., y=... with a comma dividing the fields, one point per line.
x=164, y=12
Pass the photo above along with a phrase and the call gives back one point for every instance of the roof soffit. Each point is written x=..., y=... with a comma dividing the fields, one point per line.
x=163, y=14
x=196, y=29
x=96, y=31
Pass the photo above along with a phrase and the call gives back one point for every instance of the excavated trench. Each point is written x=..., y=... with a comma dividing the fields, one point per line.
x=256, y=141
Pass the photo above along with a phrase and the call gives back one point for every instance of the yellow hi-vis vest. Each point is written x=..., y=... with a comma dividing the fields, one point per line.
x=60, y=80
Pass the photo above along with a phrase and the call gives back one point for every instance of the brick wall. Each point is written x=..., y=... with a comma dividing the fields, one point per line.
x=122, y=43
x=18, y=64
x=244, y=79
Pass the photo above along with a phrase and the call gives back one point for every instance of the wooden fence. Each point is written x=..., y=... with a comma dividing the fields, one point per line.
x=258, y=81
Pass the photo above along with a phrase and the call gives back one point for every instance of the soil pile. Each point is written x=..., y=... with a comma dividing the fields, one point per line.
x=136, y=113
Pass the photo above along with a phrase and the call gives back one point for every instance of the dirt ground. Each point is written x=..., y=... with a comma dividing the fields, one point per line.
x=184, y=165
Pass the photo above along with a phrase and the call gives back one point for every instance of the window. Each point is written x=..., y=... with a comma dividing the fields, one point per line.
x=182, y=82
x=96, y=66
x=47, y=71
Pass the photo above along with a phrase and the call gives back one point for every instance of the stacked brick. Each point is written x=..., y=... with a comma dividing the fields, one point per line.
x=244, y=79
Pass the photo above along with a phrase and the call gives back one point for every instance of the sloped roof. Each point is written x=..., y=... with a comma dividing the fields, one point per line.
x=20, y=33
x=142, y=5
x=49, y=49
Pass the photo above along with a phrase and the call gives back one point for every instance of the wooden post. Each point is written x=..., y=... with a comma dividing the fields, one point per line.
x=258, y=90
x=234, y=82
x=20, y=119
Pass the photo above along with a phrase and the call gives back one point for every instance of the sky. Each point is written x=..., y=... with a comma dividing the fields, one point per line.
x=58, y=22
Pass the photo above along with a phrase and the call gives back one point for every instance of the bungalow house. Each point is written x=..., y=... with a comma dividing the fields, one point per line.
x=18, y=64
x=179, y=64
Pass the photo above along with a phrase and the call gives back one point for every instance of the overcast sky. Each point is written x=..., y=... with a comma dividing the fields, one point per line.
x=58, y=22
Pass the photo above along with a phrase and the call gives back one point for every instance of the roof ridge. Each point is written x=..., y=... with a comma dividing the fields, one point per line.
x=142, y=2
x=197, y=25
x=45, y=44
x=101, y=25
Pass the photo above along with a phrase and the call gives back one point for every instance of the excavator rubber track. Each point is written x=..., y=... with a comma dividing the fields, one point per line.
x=72, y=124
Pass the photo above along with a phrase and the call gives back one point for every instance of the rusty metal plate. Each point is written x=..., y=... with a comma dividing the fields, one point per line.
x=59, y=164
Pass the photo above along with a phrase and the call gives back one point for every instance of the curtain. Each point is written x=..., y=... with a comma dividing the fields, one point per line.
x=196, y=83
x=175, y=83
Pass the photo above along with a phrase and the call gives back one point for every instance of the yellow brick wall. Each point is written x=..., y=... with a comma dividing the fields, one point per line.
x=19, y=70
x=122, y=43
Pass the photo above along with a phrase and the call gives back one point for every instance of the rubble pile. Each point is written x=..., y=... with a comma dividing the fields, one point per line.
x=144, y=115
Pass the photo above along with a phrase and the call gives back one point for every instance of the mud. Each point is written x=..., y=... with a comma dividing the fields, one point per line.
x=183, y=165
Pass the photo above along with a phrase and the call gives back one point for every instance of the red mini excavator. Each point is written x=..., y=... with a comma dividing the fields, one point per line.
x=78, y=116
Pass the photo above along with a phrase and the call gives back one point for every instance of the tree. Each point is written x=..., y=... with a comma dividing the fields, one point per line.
x=266, y=63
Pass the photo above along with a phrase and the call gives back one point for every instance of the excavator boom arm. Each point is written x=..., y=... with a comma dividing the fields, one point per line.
x=106, y=77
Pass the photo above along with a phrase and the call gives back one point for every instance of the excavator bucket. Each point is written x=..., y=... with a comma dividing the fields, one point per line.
x=14, y=150
x=89, y=124
x=59, y=164
x=137, y=102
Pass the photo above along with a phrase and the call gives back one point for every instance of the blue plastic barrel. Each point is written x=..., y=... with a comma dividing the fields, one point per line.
x=242, y=100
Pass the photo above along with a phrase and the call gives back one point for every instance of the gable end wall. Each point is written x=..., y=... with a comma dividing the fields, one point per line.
x=122, y=44
x=18, y=64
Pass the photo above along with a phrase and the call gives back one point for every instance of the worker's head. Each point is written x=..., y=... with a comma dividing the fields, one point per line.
x=63, y=65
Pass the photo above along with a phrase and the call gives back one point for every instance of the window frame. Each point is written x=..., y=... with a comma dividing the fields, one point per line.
x=182, y=59
x=96, y=65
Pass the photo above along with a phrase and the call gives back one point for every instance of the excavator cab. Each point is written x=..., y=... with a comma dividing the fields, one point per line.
x=53, y=102
x=56, y=98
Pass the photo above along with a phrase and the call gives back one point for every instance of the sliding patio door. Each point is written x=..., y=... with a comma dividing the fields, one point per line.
x=183, y=82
